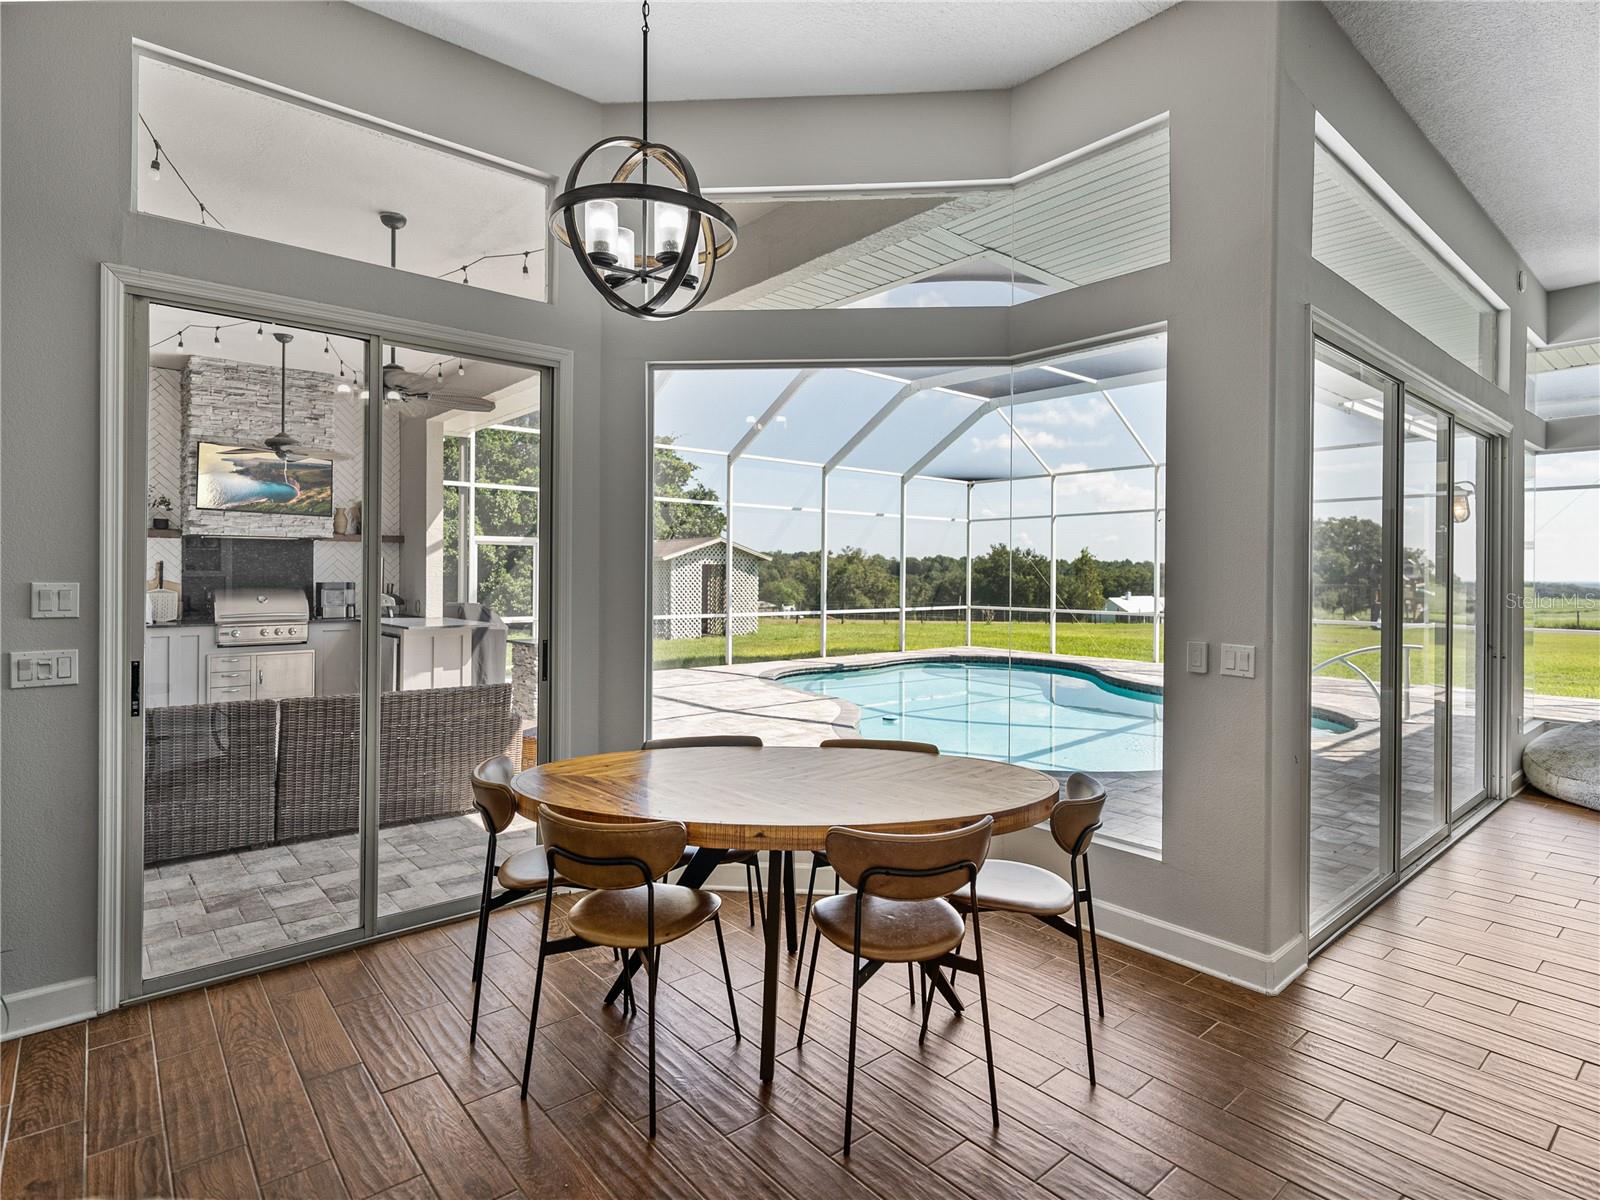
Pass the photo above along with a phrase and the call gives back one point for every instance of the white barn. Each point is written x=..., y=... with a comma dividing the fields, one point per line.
x=688, y=587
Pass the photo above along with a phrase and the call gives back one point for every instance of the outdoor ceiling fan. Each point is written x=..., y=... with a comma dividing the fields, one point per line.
x=405, y=390
x=282, y=443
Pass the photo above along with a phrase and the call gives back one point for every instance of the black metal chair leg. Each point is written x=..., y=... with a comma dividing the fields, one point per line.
x=630, y=1006
x=850, y=1067
x=482, y=940
x=538, y=986
x=1094, y=938
x=761, y=899
x=1083, y=974
x=983, y=1006
x=727, y=976
x=911, y=982
x=811, y=888
x=652, y=961
x=927, y=1004
x=805, y=1009
x=749, y=894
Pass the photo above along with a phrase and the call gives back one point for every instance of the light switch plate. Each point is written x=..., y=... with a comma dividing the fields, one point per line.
x=1199, y=657
x=44, y=668
x=55, y=599
x=1238, y=660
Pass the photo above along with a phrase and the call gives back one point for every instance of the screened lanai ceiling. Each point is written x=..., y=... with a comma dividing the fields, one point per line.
x=1091, y=411
x=1099, y=215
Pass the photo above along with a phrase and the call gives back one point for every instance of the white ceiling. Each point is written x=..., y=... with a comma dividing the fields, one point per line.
x=747, y=48
x=273, y=168
x=1509, y=93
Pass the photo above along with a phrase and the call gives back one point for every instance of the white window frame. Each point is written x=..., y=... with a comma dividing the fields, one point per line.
x=469, y=537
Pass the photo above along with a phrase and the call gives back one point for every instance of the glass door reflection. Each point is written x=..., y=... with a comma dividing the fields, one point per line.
x=1424, y=630
x=460, y=660
x=1468, y=628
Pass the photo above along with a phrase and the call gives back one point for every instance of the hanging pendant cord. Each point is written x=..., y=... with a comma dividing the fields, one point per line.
x=644, y=90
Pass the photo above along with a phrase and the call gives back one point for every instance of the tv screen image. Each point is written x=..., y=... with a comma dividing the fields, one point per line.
x=252, y=479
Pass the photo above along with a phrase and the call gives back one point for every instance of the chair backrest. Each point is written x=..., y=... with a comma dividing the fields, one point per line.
x=710, y=739
x=657, y=844
x=491, y=791
x=854, y=852
x=879, y=744
x=1077, y=813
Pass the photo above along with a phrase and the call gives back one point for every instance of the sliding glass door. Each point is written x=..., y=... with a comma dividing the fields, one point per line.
x=334, y=602
x=1398, y=631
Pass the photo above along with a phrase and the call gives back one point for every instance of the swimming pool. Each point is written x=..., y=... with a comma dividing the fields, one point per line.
x=1053, y=718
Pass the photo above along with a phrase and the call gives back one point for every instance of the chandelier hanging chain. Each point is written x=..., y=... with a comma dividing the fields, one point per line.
x=671, y=255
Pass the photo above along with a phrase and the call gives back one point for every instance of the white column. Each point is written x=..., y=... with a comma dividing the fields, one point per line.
x=1052, y=564
x=822, y=568
x=727, y=570
x=969, y=564
x=902, y=565
x=1155, y=565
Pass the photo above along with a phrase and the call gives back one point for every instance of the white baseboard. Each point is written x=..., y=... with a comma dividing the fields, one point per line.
x=1269, y=973
x=49, y=1006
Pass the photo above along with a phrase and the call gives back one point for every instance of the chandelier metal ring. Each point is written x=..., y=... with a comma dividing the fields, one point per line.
x=680, y=230
x=711, y=231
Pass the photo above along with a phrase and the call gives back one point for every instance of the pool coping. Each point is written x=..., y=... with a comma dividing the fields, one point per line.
x=977, y=654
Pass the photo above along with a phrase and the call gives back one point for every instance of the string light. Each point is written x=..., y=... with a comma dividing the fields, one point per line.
x=216, y=335
x=155, y=174
x=482, y=258
x=258, y=333
x=461, y=367
x=180, y=339
x=439, y=376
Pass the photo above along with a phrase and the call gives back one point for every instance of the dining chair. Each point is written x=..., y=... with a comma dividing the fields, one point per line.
x=899, y=912
x=625, y=908
x=520, y=875
x=819, y=858
x=1015, y=887
x=750, y=860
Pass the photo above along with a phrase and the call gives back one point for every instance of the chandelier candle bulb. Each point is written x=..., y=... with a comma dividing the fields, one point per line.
x=624, y=256
x=672, y=223
x=600, y=231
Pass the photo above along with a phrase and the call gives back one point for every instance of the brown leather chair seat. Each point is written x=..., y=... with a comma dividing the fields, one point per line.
x=1005, y=886
x=620, y=917
x=891, y=930
x=526, y=870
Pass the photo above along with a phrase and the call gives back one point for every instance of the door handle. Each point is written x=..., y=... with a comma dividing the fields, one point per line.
x=544, y=661
x=135, y=695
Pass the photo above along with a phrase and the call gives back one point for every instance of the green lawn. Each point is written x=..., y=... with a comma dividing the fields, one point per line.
x=1563, y=664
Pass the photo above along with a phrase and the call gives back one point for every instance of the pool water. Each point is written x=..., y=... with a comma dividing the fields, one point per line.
x=1052, y=718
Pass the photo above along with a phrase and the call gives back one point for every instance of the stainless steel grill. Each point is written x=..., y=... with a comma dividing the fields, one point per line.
x=261, y=616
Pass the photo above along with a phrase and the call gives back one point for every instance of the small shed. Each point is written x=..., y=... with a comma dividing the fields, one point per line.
x=690, y=590
x=1129, y=607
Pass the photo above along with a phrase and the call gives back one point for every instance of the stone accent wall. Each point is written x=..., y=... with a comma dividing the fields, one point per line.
x=225, y=401
x=677, y=589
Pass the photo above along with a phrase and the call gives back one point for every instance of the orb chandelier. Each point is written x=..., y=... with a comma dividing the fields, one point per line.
x=661, y=266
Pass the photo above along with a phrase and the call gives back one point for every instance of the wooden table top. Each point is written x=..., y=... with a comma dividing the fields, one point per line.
x=788, y=797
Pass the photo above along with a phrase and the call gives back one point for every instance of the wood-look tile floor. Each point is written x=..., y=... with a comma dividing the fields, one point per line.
x=1445, y=1049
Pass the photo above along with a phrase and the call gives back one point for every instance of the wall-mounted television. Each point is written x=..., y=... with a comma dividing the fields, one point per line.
x=252, y=479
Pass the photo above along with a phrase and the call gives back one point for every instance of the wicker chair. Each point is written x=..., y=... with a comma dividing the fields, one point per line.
x=429, y=742
x=209, y=772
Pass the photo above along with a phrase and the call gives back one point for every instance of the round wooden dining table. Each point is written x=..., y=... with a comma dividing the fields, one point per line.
x=781, y=799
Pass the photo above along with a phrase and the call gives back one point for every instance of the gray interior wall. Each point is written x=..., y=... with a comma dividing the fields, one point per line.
x=1239, y=80
x=67, y=134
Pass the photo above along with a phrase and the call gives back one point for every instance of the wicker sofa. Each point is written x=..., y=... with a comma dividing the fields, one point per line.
x=252, y=772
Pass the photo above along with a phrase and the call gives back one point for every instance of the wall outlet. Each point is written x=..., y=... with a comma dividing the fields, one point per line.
x=1238, y=660
x=1199, y=657
x=55, y=599
x=43, y=668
